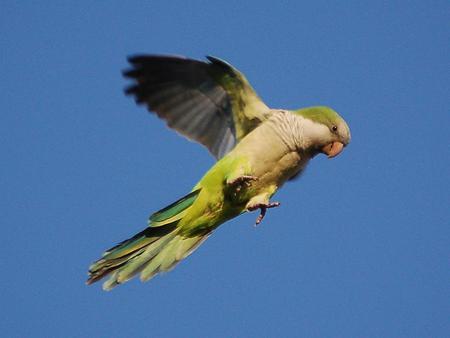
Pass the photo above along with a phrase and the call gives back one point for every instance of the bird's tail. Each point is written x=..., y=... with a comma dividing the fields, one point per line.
x=158, y=248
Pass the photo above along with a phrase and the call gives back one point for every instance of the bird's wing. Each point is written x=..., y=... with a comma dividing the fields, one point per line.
x=208, y=102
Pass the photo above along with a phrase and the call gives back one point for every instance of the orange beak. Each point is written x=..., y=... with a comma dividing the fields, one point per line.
x=333, y=149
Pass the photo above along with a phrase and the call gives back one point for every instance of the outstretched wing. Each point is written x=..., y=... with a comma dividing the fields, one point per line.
x=208, y=102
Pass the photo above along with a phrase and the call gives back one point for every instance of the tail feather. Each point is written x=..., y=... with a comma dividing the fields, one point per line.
x=137, y=263
x=156, y=249
x=176, y=250
x=159, y=256
x=140, y=240
x=124, y=252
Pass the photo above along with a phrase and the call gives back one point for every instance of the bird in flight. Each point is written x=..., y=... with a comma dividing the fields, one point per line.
x=257, y=149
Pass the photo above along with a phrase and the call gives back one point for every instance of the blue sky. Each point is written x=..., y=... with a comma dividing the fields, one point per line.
x=360, y=245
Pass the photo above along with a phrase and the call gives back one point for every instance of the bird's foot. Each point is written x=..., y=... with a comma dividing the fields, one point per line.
x=263, y=207
x=240, y=182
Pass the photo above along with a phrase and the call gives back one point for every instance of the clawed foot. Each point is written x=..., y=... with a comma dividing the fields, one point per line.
x=263, y=208
x=240, y=182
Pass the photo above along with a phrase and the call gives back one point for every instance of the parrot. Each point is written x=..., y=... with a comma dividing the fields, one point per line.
x=257, y=149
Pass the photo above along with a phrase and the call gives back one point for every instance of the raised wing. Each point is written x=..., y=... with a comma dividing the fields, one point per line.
x=208, y=102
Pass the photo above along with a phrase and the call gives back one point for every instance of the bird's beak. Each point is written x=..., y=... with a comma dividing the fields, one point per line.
x=333, y=149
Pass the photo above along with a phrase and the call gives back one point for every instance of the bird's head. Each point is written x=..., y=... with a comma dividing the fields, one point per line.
x=324, y=130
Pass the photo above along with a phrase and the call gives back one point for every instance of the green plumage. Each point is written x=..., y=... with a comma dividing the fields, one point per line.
x=173, y=212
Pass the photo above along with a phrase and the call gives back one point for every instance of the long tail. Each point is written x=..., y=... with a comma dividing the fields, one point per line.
x=156, y=249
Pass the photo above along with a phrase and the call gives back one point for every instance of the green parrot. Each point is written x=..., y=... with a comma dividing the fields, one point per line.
x=257, y=149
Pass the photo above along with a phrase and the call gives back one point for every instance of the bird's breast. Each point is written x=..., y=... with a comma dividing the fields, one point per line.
x=279, y=171
x=271, y=158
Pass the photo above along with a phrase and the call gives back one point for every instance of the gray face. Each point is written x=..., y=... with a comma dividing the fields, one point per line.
x=328, y=138
x=342, y=132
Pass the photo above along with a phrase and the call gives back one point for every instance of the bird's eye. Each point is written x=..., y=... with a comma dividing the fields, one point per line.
x=334, y=128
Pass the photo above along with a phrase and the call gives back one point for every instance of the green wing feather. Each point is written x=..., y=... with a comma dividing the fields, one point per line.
x=174, y=211
x=248, y=109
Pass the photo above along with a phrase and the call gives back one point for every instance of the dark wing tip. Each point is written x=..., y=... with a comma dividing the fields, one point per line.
x=130, y=90
x=141, y=58
x=140, y=94
x=137, y=58
x=145, y=62
x=131, y=73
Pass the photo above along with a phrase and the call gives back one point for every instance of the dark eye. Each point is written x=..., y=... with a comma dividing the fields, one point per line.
x=334, y=128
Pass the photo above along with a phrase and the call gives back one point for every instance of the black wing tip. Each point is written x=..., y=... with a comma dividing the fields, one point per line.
x=141, y=58
x=139, y=97
x=141, y=62
x=136, y=59
x=130, y=90
x=130, y=73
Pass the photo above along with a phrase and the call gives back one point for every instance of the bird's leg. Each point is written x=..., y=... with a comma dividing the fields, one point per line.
x=263, y=207
x=241, y=182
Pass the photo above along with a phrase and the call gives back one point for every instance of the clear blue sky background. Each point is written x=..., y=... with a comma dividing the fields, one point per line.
x=360, y=246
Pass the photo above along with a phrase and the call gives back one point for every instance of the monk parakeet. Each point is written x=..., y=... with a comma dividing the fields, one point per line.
x=257, y=149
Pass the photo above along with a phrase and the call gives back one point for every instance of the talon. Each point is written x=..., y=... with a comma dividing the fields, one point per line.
x=261, y=216
x=246, y=179
x=273, y=205
x=240, y=183
x=263, y=207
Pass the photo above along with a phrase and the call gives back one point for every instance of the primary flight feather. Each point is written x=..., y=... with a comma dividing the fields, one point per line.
x=258, y=149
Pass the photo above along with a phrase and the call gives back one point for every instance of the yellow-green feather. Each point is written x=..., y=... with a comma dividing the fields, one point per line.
x=247, y=107
x=320, y=114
